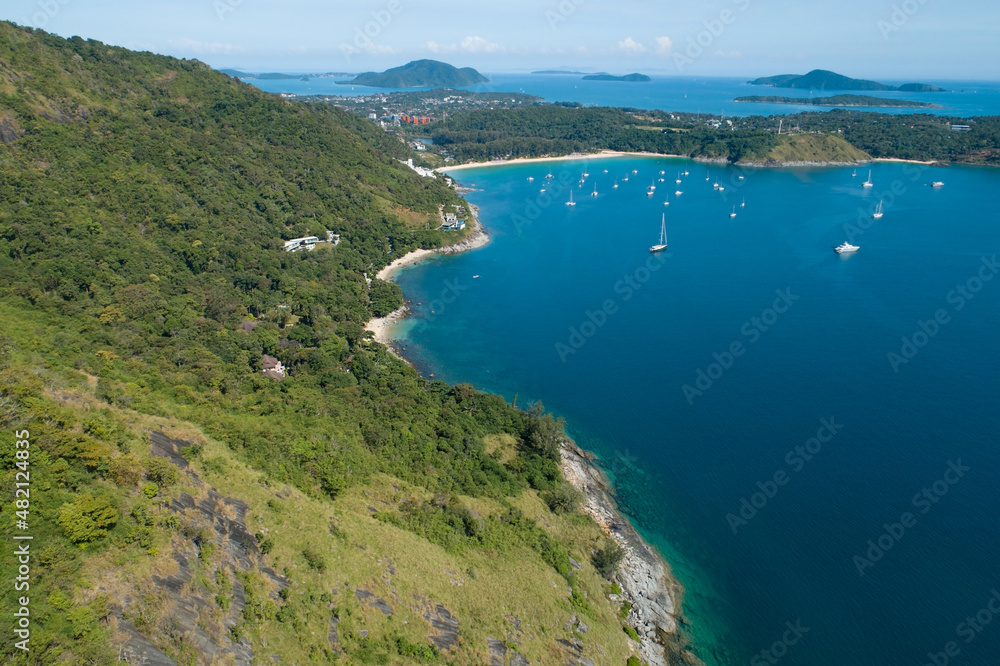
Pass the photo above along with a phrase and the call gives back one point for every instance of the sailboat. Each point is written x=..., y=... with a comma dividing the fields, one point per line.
x=708, y=176
x=715, y=186
x=531, y=179
x=571, y=202
x=744, y=204
x=733, y=214
x=625, y=179
x=615, y=186
x=678, y=181
x=662, y=245
x=594, y=193
x=868, y=183
x=651, y=189
x=855, y=174
x=549, y=175
x=878, y=212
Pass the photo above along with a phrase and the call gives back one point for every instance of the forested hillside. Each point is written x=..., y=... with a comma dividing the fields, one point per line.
x=559, y=129
x=143, y=205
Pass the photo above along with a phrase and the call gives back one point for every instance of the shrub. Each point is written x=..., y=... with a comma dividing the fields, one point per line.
x=126, y=471
x=631, y=633
x=564, y=498
x=87, y=518
x=162, y=472
x=607, y=559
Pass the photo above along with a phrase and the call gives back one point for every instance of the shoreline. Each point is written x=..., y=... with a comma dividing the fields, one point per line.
x=380, y=327
x=564, y=158
x=644, y=575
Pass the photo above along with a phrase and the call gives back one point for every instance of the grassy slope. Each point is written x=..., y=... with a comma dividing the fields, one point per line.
x=815, y=148
x=481, y=588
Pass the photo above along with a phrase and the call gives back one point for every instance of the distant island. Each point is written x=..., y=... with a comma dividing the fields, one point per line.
x=557, y=71
x=837, y=100
x=821, y=79
x=604, y=76
x=420, y=74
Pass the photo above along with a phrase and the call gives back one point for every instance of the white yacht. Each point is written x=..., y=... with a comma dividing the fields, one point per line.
x=662, y=245
x=615, y=186
x=716, y=185
x=594, y=193
x=678, y=193
x=868, y=183
x=531, y=179
x=635, y=171
x=571, y=202
x=878, y=212
x=937, y=183
x=744, y=204
x=605, y=171
x=625, y=179
x=549, y=175
x=678, y=181
x=733, y=214
x=846, y=248
x=686, y=173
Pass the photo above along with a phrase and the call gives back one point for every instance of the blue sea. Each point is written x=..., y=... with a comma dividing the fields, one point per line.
x=678, y=93
x=811, y=439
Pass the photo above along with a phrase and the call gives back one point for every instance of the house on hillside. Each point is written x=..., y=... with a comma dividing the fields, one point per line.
x=273, y=368
x=304, y=243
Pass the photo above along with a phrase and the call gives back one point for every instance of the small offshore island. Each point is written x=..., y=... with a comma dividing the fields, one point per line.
x=419, y=74
x=631, y=78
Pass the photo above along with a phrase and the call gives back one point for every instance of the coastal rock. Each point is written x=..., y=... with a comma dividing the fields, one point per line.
x=643, y=576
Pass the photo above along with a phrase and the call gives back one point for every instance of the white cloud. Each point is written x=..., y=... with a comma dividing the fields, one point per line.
x=664, y=45
x=194, y=46
x=434, y=47
x=629, y=45
x=476, y=44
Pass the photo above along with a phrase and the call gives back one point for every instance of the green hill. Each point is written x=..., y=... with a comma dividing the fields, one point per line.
x=632, y=78
x=352, y=511
x=420, y=74
x=821, y=79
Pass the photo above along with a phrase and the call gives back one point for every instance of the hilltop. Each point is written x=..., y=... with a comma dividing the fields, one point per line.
x=821, y=79
x=420, y=74
x=348, y=511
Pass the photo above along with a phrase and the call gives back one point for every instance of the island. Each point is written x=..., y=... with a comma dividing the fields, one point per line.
x=837, y=100
x=420, y=74
x=821, y=79
x=631, y=78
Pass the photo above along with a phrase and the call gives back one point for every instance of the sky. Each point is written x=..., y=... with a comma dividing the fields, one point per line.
x=887, y=39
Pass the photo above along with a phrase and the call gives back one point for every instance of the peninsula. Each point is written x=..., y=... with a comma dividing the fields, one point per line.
x=420, y=74
x=821, y=79
x=839, y=100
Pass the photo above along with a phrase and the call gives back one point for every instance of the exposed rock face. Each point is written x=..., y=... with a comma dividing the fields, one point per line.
x=645, y=581
x=185, y=609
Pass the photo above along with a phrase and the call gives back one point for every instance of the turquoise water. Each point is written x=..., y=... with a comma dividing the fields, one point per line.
x=812, y=332
x=708, y=95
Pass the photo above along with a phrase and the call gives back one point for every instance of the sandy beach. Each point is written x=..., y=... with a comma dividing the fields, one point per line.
x=381, y=326
x=532, y=160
